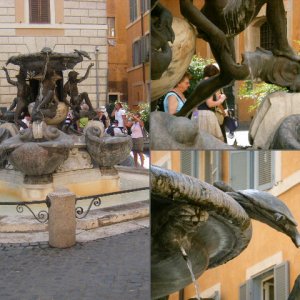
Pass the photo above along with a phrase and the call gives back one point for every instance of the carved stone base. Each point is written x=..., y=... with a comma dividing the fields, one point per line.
x=79, y=159
x=108, y=171
x=41, y=179
x=270, y=114
x=180, y=133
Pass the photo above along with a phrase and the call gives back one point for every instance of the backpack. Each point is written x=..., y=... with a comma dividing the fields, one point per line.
x=110, y=130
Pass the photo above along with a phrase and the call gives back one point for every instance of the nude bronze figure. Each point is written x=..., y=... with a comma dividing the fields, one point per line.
x=71, y=89
x=23, y=98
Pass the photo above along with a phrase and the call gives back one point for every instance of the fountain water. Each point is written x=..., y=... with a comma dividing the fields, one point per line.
x=189, y=265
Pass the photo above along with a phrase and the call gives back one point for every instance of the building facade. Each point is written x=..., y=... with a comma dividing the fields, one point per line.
x=138, y=44
x=270, y=263
x=27, y=26
x=117, y=19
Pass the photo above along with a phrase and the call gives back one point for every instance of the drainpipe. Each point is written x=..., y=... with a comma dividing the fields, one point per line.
x=97, y=76
x=144, y=69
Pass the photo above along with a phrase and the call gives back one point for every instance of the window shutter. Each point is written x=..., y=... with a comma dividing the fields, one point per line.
x=281, y=281
x=240, y=169
x=186, y=162
x=39, y=11
x=243, y=292
x=142, y=2
x=263, y=170
x=45, y=11
x=133, y=10
x=143, y=48
x=216, y=166
x=246, y=291
x=34, y=11
x=136, y=53
x=217, y=296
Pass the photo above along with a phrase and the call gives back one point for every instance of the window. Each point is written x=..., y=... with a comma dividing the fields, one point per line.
x=145, y=5
x=266, y=37
x=252, y=169
x=269, y=285
x=140, y=51
x=136, y=53
x=113, y=97
x=145, y=48
x=111, y=29
x=39, y=11
x=133, y=10
x=189, y=163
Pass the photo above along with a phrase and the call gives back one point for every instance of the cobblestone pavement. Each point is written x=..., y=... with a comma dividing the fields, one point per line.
x=113, y=268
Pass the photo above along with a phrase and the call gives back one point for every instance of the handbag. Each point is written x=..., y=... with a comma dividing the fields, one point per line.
x=231, y=123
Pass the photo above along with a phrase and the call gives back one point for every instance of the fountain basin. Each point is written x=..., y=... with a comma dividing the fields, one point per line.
x=211, y=227
x=81, y=182
x=107, y=151
x=37, y=152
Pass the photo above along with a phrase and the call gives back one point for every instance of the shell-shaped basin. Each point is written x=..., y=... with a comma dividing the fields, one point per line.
x=107, y=151
x=36, y=157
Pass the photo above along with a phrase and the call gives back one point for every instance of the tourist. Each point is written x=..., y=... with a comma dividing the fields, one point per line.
x=114, y=129
x=101, y=117
x=84, y=118
x=26, y=122
x=205, y=113
x=119, y=114
x=175, y=98
x=136, y=125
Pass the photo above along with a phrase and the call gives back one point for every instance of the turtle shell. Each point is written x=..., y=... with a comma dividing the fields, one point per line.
x=269, y=202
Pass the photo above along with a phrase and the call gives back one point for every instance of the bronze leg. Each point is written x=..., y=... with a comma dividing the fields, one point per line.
x=84, y=96
x=277, y=19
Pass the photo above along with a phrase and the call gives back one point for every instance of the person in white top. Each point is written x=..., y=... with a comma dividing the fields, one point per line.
x=119, y=114
x=137, y=125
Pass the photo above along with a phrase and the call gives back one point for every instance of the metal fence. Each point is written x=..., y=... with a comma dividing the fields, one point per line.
x=43, y=215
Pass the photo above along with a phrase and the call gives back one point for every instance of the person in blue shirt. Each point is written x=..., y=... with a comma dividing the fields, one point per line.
x=175, y=98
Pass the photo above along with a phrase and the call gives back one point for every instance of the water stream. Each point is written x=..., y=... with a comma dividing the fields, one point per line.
x=189, y=265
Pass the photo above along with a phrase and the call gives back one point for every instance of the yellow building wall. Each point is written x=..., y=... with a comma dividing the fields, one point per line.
x=138, y=76
x=117, y=54
x=290, y=163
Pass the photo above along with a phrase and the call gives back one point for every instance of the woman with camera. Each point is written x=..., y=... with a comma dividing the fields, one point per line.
x=136, y=124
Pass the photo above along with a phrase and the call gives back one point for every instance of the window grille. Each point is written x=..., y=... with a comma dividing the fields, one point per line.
x=266, y=37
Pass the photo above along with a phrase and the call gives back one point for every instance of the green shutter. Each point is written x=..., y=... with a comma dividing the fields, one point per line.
x=243, y=292
x=263, y=170
x=186, y=162
x=240, y=169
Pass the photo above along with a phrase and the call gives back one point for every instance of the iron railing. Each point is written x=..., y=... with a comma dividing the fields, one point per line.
x=43, y=215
